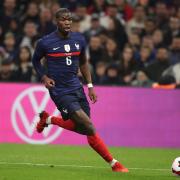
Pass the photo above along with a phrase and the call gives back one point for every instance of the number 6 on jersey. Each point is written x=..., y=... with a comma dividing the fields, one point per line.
x=68, y=60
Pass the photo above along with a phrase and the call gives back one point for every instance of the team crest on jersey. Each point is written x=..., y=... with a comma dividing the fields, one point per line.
x=77, y=46
x=67, y=47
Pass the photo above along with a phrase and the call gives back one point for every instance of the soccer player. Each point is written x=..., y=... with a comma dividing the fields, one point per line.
x=65, y=53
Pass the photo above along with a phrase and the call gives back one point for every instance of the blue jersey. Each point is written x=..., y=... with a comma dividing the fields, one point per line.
x=62, y=55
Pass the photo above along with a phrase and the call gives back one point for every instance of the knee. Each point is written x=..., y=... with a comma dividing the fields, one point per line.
x=84, y=125
x=87, y=129
x=90, y=129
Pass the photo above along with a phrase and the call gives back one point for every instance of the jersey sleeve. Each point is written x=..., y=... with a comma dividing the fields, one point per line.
x=39, y=53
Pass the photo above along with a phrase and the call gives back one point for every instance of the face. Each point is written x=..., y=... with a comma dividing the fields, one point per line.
x=148, y=41
x=141, y=76
x=112, y=72
x=100, y=69
x=157, y=37
x=81, y=11
x=46, y=15
x=64, y=22
x=10, y=4
x=100, y=2
x=176, y=44
x=9, y=41
x=54, y=7
x=127, y=54
x=32, y=9
x=24, y=55
x=119, y=2
x=111, y=45
x=174, y=23
x=95, y=23
x=6, y=69
x=149, y=26
x=95, y=43
x=139, y=12
x=134, y=39
x=162, y=54
x=30, y=29
x=112, y=11
x=145, y=53
x=161, y=9
x=13, y=24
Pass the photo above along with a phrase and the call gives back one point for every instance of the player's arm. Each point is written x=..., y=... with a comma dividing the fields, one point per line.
x=84, y=68
x=36, y=61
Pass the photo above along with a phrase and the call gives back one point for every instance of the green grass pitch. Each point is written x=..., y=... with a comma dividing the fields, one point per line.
x=57, y=162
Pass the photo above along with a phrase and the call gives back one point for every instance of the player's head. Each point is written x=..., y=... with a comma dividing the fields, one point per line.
x=63, y=20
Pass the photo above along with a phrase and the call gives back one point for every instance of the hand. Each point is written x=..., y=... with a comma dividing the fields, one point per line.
x=92, y=95
x=48, y=82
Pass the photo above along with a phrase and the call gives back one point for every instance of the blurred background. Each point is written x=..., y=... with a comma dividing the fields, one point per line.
x=133, y=48
x=130, y=42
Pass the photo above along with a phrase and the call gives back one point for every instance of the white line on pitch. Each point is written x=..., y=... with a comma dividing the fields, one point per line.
x=73, y=165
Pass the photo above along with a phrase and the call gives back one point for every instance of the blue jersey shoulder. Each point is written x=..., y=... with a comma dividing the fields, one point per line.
x=77, y=35
x=48, y=37
x=74, y=35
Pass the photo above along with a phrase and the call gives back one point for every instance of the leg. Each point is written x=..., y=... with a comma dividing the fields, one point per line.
x=45, y=120
x=78, y=120
x=85, y=126
x=73, y=124
x=81, y=123
x=74, y=110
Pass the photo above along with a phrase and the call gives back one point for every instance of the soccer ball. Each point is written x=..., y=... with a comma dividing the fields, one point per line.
x=176, y=166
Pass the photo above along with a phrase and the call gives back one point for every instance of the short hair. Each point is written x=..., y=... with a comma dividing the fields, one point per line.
x=61, y=11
